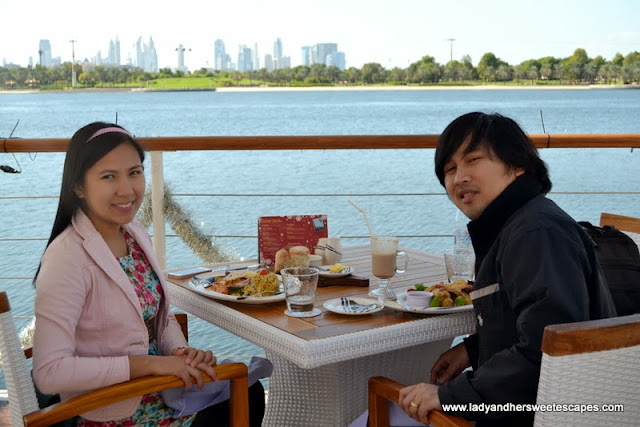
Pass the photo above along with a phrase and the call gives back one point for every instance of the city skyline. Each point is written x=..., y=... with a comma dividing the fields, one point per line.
x=367, y=31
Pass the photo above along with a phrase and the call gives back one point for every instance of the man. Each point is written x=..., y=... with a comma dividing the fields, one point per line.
x=535, y=266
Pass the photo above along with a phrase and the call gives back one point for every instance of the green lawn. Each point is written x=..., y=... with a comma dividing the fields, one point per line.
x=183, y=83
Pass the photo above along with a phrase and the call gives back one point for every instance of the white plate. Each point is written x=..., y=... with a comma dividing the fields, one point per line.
x=234, y=298
x=335, y=305
x=429, y=310
x=347, y=271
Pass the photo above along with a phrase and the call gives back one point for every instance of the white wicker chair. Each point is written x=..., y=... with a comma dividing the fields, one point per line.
x=595, y=362
x=24, y=405
x=591, y=363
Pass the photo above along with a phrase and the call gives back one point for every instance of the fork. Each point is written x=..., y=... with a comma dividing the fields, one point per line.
x=346, y=304
x=259, y=294
x=389, y=293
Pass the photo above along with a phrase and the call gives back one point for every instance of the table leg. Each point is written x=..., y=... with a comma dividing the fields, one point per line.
x=334, y=395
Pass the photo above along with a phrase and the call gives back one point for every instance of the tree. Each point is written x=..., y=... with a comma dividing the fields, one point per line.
x=488, y=66
x=618, y=59
x=331, y=74
x=590, y=71
x=503, y=73
x=452, y=71
x=574, y=65
x=427, y=70
x=301, y=72
x=353, y=75
x=316, y=74
x=529, y=69
x=548, y=67
x=373, y=73
x=631, y=58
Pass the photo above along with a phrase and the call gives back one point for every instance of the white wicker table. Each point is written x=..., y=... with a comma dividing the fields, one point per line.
x=322, y=364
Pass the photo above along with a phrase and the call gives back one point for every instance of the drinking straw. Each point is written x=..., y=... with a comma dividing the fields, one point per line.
x=366, y=219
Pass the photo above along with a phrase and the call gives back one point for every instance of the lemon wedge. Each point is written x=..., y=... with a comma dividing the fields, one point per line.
x=336, y=268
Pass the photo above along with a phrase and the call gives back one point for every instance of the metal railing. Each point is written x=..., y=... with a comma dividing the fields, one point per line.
x=158, y=145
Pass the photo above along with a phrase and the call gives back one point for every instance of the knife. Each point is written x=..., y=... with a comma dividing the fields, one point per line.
x=243, y=267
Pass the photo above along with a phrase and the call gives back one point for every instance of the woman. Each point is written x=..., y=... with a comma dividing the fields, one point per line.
x=102, y=311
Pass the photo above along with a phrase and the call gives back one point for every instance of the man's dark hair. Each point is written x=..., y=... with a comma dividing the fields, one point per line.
x=502, y=135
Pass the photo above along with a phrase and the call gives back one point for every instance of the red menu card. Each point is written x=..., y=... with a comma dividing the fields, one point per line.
x=276, y=232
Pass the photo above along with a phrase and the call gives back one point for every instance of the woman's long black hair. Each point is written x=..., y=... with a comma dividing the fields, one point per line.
x=83, y=152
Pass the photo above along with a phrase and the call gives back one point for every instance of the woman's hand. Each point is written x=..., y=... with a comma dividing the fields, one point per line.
x=195, y=356
x=450, y=364
x=200, y=359
x=177, y=365
x=417, y=400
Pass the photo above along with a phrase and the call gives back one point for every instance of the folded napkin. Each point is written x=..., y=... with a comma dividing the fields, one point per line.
x=186, y=402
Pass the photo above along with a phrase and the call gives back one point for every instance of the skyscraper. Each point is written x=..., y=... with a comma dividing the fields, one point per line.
x=268, y=62
x=111, y=59
x=254, y=58
x=244, y=59
x=146, y=56
x=140, y=53
x=117, y=57
x=44, y=51
x=306, y=55
x=151, y=57
x=336, y=59
x=277, y=48
x=221, y=60
x=320, y=52
x=279, y=60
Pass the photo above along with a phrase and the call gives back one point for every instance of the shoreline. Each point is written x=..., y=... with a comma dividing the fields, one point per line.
x=325, y=88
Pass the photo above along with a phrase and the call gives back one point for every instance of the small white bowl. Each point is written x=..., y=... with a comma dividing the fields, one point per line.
x=419, y=299
x=315, y=260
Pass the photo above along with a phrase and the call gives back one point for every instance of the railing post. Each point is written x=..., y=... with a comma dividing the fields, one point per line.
x=157, y=203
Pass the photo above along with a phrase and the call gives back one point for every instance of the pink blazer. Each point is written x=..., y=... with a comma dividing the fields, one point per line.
x=89, y=319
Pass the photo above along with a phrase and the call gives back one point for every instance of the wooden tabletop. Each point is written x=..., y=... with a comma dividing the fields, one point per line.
x=422, y=268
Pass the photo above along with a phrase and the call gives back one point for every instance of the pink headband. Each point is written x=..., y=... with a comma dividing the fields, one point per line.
x=107, y=130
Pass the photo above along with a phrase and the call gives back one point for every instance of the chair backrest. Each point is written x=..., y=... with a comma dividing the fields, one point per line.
x=22, y=394
x=628, y=224
x=623, y=223
x=590, y=363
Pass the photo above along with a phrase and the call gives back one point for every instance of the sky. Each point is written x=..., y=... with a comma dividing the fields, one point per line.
x=393, y=33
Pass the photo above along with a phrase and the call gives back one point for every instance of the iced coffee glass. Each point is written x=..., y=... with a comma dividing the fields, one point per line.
x=384, y=256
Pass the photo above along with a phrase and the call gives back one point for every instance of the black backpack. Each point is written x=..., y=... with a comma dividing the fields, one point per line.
x=620, y=261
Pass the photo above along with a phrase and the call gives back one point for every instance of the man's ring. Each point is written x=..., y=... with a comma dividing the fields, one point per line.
x=413, y=404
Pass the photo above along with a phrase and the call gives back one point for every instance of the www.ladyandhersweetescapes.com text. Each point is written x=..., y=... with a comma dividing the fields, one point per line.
x=520, y=407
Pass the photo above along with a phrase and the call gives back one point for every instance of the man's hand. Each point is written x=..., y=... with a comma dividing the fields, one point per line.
x=417, y=400
x=450, y=364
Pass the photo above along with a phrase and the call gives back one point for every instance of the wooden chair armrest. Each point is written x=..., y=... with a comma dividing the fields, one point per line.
x=239, y=399
x=382, y=389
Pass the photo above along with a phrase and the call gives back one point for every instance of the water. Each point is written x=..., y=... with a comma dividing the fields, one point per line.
x=59, y=115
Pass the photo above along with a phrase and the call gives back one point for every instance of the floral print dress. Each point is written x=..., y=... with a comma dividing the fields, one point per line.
x=152, y=410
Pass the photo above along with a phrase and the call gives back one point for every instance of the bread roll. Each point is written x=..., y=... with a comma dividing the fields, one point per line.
x=282, y=260
x=297, y=256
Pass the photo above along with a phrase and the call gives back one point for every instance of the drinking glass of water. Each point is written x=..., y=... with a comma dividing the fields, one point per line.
x=300, y=285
